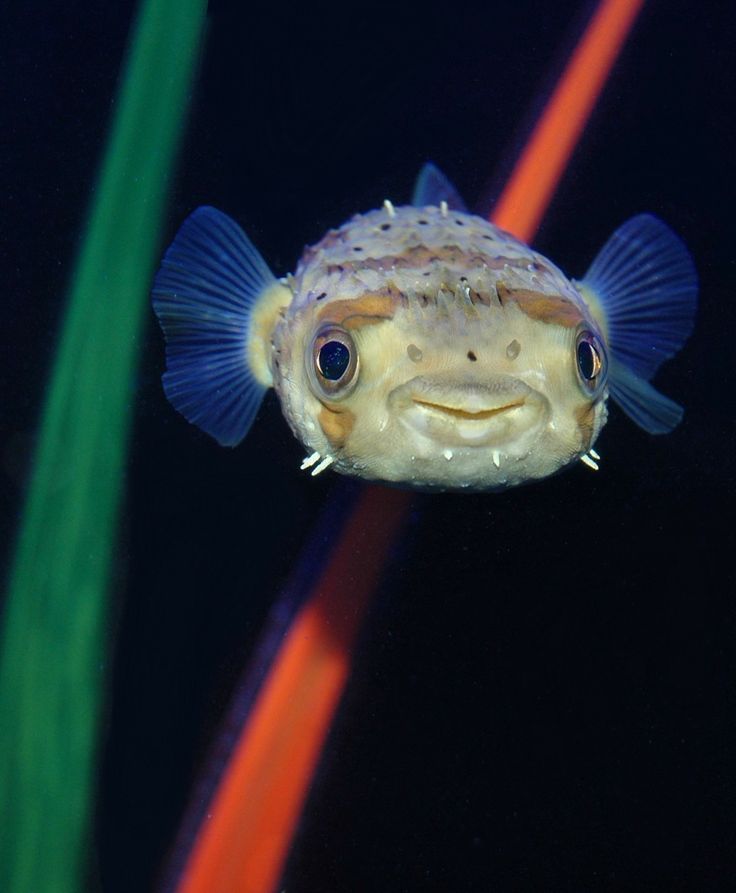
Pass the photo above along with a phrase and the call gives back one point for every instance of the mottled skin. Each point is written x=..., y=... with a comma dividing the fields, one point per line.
x=466, y=342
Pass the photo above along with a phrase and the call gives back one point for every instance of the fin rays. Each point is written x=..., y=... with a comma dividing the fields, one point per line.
x=646, y=282
x=210, y=279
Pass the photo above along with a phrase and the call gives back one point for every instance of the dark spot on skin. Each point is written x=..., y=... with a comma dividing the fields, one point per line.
x=471, y=356
x=422, y=222
x=463, y=278
x=490, y=238
x=357, y=248
x=340, y=268
x=385, y=226
x=459, y=223
x=323, y=295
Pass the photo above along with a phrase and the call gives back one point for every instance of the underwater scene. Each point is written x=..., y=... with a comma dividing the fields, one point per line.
x=391, y=552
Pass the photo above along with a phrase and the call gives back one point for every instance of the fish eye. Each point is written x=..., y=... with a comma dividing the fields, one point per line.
x=334, y=361
x=591, y=362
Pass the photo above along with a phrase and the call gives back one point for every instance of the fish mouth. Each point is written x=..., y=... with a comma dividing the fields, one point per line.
x=491, y=412
x=477, y=415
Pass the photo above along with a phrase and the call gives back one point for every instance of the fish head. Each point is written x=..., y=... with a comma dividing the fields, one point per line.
x=468, y=389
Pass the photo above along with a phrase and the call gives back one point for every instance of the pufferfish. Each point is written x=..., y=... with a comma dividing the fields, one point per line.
x=422, y=345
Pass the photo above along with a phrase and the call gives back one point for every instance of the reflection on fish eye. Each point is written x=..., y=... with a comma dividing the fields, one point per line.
x=335, y=360
x=590, y=361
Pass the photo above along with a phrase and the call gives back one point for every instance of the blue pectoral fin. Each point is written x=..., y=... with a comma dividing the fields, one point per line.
x=433, y=187
x=203, y=294
x=646, y=284
x=642, y=403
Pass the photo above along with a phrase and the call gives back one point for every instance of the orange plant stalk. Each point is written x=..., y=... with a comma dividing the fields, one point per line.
x=244, y=842
x=543, y=160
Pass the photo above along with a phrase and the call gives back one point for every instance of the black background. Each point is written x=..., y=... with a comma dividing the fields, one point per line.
x=543, y=696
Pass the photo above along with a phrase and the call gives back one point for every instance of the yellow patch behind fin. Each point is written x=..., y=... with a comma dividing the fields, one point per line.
x=265, y=314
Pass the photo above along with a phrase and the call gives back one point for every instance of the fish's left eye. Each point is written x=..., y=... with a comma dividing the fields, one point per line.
x=334, y=361
x=590, y=359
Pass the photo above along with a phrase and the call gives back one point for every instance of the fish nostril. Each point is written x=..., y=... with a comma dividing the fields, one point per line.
x=471, y=356
x=415, y=354
x=512, y=351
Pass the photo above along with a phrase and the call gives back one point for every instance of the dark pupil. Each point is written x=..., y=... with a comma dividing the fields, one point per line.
x=587, y=360
x=334, y=359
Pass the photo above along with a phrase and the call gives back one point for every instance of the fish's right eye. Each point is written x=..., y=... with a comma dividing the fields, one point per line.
x=334, y=361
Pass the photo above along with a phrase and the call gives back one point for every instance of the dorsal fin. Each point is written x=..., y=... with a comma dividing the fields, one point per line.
x=433, y=187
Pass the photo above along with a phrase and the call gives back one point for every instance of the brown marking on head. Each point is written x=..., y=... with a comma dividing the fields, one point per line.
x=368, y=309
x=585, y=417
x=419, y=257
x=336, y=425
x=552, y=309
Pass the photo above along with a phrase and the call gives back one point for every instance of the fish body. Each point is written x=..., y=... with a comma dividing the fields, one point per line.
x=422, y=345
x=443, y=308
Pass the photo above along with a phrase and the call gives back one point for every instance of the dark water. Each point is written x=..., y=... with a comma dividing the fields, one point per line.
x=544, y=692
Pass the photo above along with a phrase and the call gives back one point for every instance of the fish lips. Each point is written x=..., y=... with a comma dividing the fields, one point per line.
x=492, y=412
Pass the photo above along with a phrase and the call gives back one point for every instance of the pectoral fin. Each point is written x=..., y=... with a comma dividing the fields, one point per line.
x=210, y=295
x=645, y=285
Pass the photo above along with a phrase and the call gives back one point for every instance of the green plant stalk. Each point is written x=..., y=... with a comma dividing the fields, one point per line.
x=55, y=625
